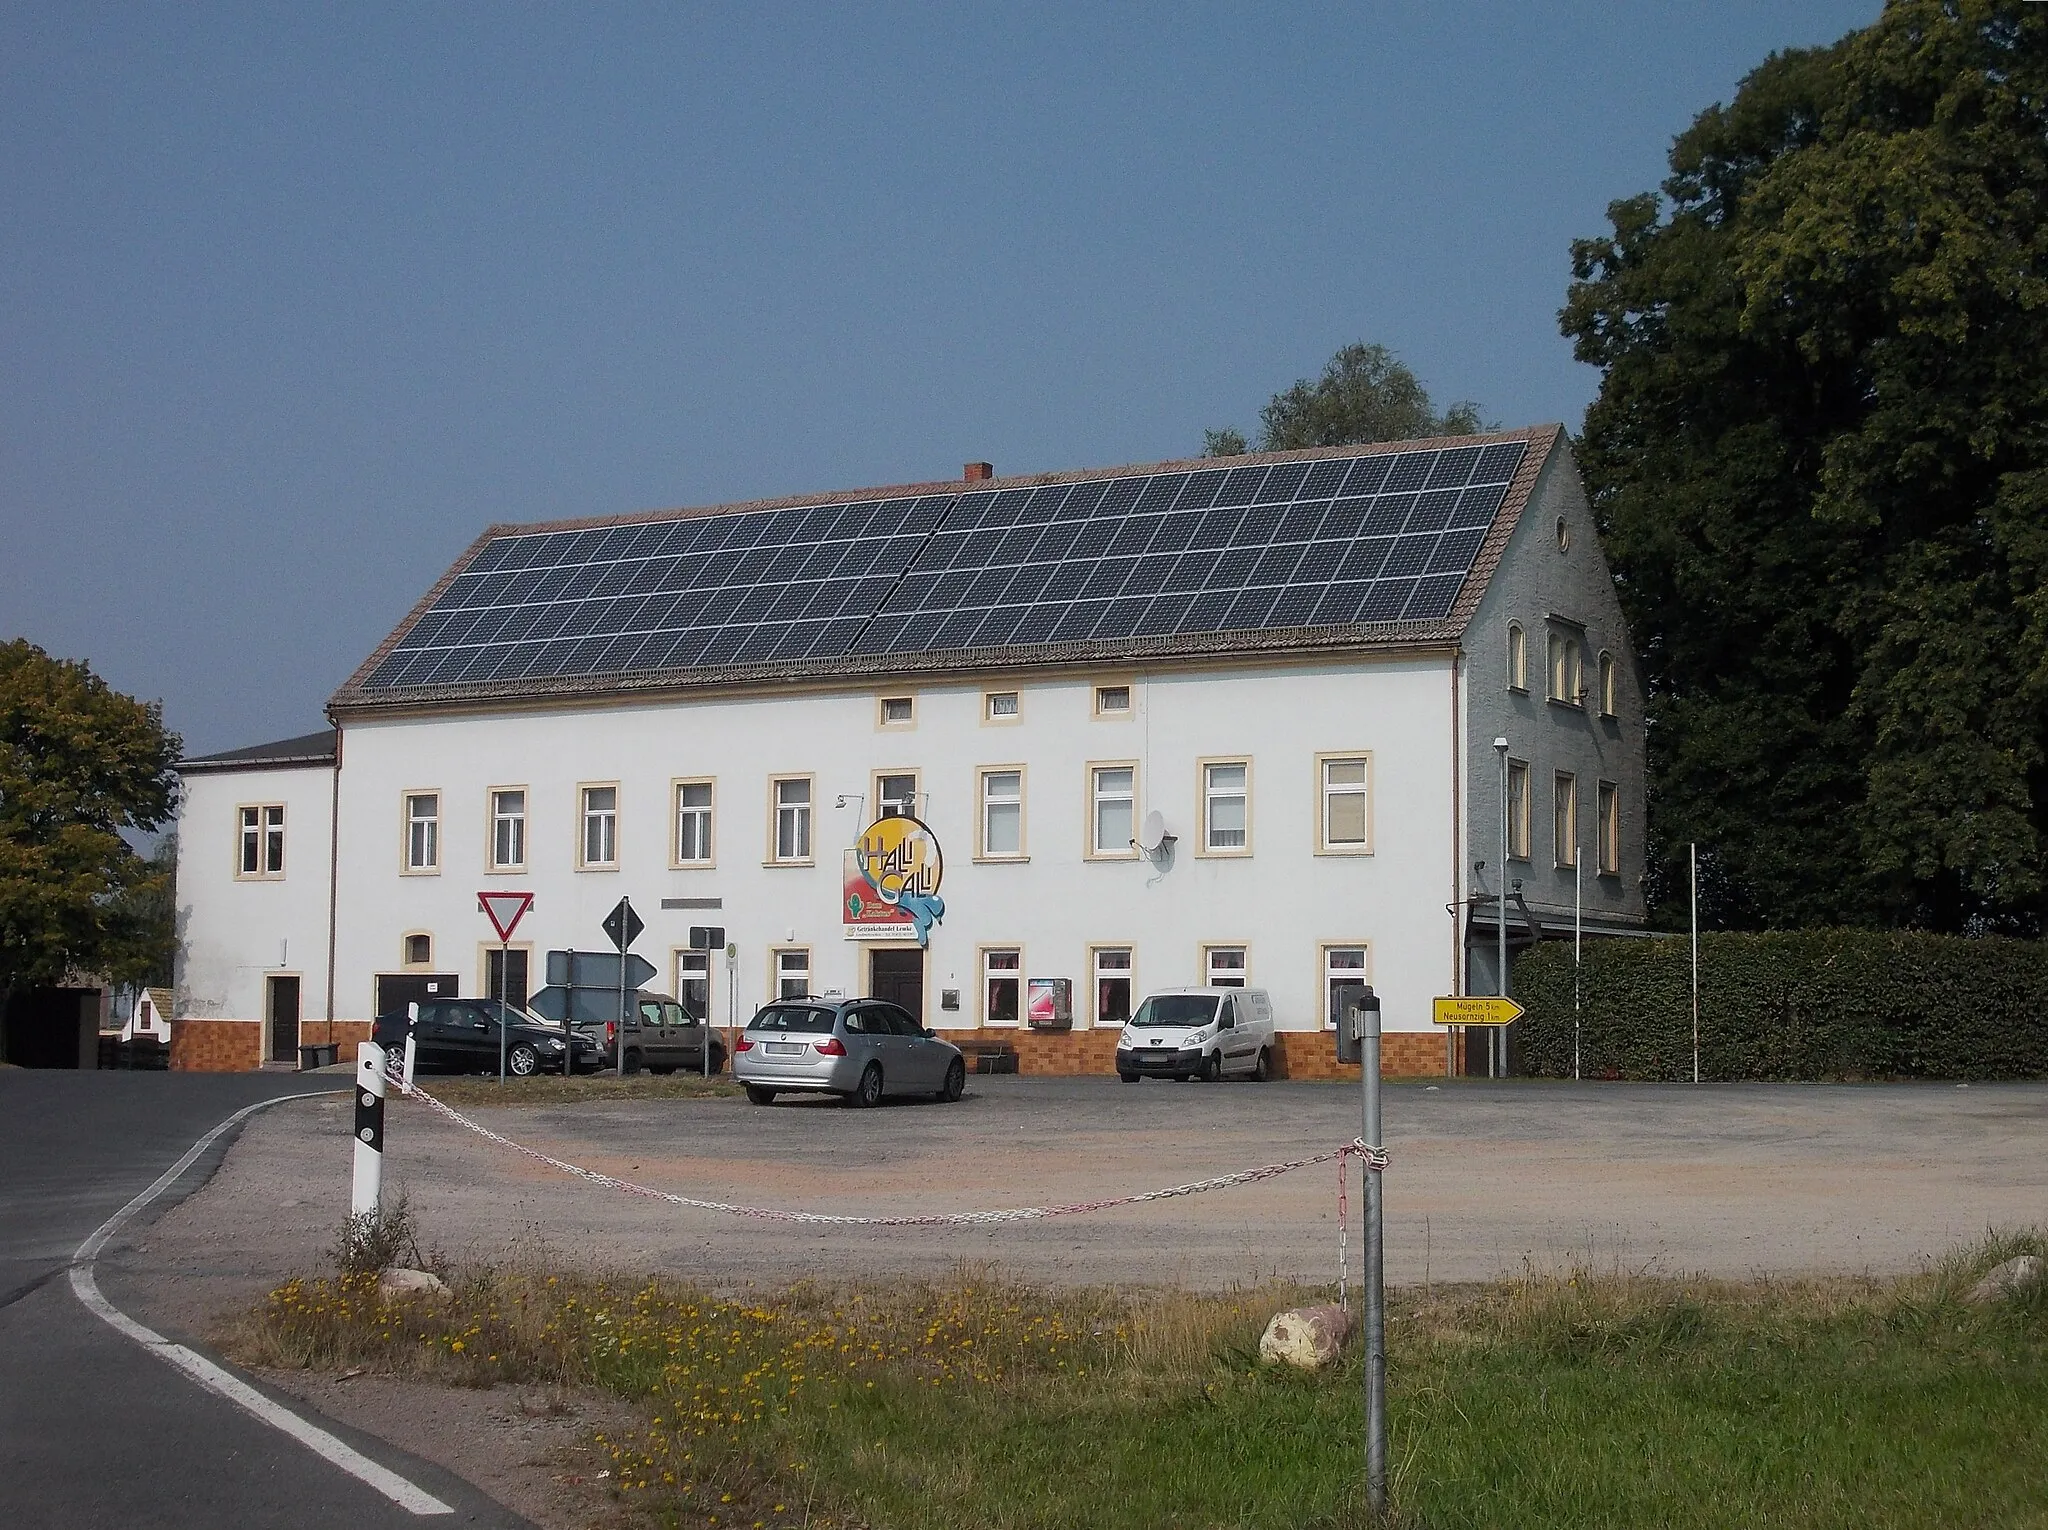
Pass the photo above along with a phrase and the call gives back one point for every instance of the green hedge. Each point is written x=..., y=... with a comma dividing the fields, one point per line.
x=1812, y=1004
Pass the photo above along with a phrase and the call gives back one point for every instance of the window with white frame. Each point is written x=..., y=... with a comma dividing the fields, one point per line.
x=792, y=974
x=793, y=818
x=1223, y=966
x=1518, y=658
x=693, y=823
x=1518, y=809
x=1346, y=786
x=1610, y=829
x=1112, y=701
x=693, y=982
x=896, y=795
x=1000, y=706
x=1002, y=984
x=1113, y=790
x=508, y=829
x=422, y=831
x=600, y=827
x=1565, y=673
x=1343, y=977
x=1112, y=985
x=1564, y=813
x=262, y=850
x=1607, y=685
x=1226, y=807
x=1002, y=813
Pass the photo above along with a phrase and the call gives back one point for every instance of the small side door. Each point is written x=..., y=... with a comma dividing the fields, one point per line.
x=871, y=1038
x=438, y=1042
x=924, y=1060
x=1239, y=1040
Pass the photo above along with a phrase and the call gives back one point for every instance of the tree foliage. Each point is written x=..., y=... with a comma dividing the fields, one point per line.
x=79, y=763
x=1365, y=394
x=1819, y=458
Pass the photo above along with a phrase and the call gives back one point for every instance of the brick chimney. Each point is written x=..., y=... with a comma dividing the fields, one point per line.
x=979, y=472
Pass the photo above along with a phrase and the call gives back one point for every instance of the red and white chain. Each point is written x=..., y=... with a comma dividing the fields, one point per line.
x=1375, y=1160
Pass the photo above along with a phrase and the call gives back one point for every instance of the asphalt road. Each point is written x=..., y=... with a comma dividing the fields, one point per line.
x=94, y=1430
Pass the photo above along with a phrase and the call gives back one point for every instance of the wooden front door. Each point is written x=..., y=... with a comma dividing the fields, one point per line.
x=898, y=977
x=284, y=1018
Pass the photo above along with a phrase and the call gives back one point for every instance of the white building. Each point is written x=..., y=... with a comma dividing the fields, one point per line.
x=1300, y=661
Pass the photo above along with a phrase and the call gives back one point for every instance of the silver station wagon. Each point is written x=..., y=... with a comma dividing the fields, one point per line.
x=860, y=1049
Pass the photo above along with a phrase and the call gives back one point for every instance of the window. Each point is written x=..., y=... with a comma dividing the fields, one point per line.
x=1607, y=685
x=1112, y=985
x=262, y=841
x=419, y=950
x=693, y=823
x=1564, y=535
x=508, y=829
x=1113, y=790
x=1518, y=810
x=1610, y=829
x=1226, y=807
x=1518, y=658
x=600, y=847
x=1001, y=985
x=896, y=796
x=896, y=712
x=1223, y=966
x=1565, y=818
x=999, y=706
x=505, y=975
x=1002, y=813
x=792, y=974
x=422, y=831
x=693, y=982
x=1346, y=785
x=1565, y=676
x=1344, y=974
x=793, y=819
x=1112, y=701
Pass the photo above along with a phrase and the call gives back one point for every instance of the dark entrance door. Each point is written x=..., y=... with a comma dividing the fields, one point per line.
x=505, y=977
x=898, y=977
x=284, y=1019
x=395, y=990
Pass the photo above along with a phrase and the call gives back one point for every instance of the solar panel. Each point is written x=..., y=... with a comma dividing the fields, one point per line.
x=1386, y=537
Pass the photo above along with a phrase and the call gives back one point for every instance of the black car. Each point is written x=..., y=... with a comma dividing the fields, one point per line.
x=462, y=1036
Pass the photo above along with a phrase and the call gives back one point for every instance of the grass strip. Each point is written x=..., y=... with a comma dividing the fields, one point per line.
x=1566, y=1400
x=551, y=1089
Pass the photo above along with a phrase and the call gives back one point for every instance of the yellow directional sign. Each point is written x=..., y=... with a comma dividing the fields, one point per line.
x=1451, y=1011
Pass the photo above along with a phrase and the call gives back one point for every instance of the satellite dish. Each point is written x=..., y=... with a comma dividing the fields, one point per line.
x=1152, y=832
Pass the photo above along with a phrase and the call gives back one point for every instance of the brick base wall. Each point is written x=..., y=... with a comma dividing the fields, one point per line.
x=344, y=1034
x=1300, y=1054
x=217, y=1046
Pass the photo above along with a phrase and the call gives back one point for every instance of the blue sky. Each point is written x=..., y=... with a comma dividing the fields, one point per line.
x=295, y=300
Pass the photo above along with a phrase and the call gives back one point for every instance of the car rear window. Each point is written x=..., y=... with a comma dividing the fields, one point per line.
x=792, y=1017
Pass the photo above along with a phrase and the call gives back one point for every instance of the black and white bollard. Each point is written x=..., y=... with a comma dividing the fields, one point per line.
x=1368, y=1021
x=367, y=1196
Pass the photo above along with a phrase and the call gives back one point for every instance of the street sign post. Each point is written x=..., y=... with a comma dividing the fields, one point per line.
x=504, y=910
x=1474, y=1011
x=624, y=927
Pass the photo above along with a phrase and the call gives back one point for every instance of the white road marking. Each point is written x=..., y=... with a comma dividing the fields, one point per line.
x=405, y=1494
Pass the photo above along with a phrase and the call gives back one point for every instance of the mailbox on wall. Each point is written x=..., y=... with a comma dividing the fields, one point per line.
x=1052, y=1004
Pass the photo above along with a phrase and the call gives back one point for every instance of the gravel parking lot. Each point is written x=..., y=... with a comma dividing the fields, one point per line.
x=1726, y=1179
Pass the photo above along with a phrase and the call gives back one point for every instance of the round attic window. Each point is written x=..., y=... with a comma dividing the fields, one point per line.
x=1564, y=535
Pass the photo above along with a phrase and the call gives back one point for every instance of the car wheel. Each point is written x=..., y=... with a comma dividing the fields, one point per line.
x=869, y=1091
x=718, y=1059
x=956, y=1081
x=632, y=1062
x=759, y=1095
x=1131, y=1078
x=1212, y=1067
x=522, y=1061
x=1263, y=1068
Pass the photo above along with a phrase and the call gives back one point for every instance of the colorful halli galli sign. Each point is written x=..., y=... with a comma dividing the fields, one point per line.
x=892, y=882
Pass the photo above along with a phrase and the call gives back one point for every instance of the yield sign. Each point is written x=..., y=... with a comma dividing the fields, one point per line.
x=504, y=910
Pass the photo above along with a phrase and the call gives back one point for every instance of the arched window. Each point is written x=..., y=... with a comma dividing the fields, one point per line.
x=1607, y=684
x=1518, y=658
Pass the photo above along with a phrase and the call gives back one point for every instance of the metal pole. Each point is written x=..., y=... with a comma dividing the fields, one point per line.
x=732, y=998
x=1694, y=853
x=366, y=1194
x=704, y=1019
x=1578, y=943
x=1375, y=1264
x=504, y=967
x=1500, y=913
x=627, y=904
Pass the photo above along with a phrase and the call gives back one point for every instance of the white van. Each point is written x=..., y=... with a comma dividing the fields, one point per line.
x=1207, y=1033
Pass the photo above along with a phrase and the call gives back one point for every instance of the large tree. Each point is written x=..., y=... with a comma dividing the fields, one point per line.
x=1819, y=458
x=79, y=764
x=1366, y=393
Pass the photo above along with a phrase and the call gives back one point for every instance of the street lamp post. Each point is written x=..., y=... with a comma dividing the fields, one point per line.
x=1495, y=1039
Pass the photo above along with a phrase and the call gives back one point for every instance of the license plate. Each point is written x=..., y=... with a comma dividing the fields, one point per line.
x=787, y=1049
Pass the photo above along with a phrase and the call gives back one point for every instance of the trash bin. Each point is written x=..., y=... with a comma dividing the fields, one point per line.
x=321, y=1056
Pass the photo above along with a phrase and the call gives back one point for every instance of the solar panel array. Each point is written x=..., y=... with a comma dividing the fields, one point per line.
x=1383, y=538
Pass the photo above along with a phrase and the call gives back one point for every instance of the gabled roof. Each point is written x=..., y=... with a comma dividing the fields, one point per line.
x=1337, y=549
x=307, y=749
